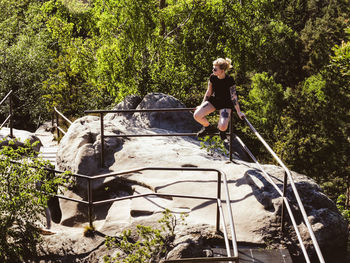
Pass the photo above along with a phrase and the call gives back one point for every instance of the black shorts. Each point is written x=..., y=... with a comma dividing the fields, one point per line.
x=220, y=103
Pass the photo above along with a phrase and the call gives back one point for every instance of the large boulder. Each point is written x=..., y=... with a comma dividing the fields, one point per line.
x=172, y=121
x=20, y=137
x=321, y=211
x=130, y=102
x=256, y=204
x=80, y=149
x=323, y=216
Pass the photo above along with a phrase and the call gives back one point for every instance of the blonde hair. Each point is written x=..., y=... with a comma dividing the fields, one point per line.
x=224, y=64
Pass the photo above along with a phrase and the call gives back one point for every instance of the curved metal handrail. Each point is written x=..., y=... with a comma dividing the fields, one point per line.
x=221, y=174
x=57, y=125
x=7, y=95
x=285, y=200
x=9, y=117
x=162, y=110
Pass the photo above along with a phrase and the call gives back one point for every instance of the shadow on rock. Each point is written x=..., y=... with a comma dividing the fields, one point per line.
x=261, y=189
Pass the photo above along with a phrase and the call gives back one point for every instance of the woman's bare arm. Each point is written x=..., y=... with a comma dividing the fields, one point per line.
x=234, y=99
x=208, y=93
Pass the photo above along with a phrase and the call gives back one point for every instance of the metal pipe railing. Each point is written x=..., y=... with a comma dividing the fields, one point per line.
x=285, y=200
x=208, y=259
x=6, y=96
x=220, y=174
x=90, y=203
x=228, y=205
x=10, y=116
x=285, y=182
x=165, y=169
x=284, y=203
x=141, y=110
x=5, y=121
x=227, y=243
x=103, y=136
x=56, y=115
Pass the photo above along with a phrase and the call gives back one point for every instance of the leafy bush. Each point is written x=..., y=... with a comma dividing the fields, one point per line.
x=345, y=211
x=151, y=245
x=213, y=144
x=25, y=188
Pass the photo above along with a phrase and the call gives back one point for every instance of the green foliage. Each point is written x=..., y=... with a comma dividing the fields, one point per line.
x=303, y=134
x=24, y=59
x=319, y=24
x=213, y=144
x=277, y=49
x=265, y=101
x=79, y=55
x=25, y=188
x=324, y=29
x=70, y=86
x=344, y=210
x=132, y=47
x=316, y=138
x=313, y=90
x=151, y=244
x=110, y=49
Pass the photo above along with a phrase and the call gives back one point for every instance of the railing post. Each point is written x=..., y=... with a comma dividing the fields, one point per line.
x=231, y=134
x=102, y=142
x=90, y=204
x=11, y=119
x=285, y=182
x=57, y=125
x=217, y=205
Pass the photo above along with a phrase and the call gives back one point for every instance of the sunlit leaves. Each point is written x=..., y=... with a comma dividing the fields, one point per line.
x=265, y=101
x=25, y=188
x=151, y=244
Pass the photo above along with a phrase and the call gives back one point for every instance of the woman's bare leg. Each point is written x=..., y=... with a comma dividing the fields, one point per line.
x=224, y=119
x=203, y=110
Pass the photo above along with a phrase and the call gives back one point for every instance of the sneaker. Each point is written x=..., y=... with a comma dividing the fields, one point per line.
x=204, y=131
x=223, y=135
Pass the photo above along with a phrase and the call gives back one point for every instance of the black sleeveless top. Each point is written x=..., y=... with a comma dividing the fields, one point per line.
x=221, y=91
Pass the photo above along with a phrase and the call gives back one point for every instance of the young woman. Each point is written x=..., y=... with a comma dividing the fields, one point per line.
x=221, y=95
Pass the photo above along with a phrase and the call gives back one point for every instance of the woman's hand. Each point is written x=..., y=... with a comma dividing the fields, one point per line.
x=241, y=115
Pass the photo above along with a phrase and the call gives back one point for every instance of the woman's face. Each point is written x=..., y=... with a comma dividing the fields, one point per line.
x=217, y=71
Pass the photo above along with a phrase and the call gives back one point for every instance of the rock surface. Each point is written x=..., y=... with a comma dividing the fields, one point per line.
x=255, y=203
x=171, y=121
x=21, y=136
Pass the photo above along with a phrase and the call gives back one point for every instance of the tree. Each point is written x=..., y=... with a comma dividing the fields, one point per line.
x=24, y=59
x=337, y=77
x=316, y=138
x=264, y=104
x=319, y=24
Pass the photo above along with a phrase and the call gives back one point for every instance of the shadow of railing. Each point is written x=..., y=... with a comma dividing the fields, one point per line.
x=282, y=193
x=285, y=204
x=221, y=177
